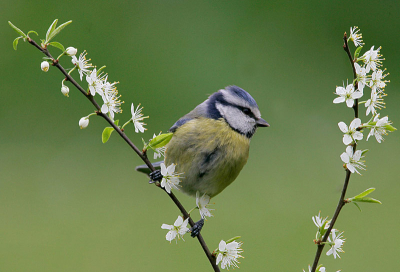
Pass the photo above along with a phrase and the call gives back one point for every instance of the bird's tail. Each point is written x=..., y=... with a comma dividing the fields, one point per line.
x=146, y=170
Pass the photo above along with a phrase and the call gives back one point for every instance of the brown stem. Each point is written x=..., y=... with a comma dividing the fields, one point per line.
x=203, y=244
x=342, y=201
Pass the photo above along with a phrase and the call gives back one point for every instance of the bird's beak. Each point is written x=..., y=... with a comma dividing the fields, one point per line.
x=262, y=123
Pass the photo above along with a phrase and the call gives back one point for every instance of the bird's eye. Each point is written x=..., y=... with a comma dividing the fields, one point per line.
x=246, y=111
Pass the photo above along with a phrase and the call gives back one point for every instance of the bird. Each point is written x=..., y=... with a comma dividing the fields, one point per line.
x=210, y=144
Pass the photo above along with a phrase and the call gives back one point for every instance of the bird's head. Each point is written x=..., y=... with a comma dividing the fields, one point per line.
x=238, y=108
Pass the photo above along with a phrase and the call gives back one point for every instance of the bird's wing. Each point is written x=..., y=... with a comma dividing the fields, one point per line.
x=199, y=111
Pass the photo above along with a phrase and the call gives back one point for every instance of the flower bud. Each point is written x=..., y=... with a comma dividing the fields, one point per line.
x=65, y=90
x=71, y=51
x=44, y=66
x=84, y=122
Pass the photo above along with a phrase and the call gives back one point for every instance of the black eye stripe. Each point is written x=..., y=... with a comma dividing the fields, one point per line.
x=246, y=111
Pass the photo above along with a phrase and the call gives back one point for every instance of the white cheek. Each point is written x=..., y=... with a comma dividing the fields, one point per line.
x=236, y=118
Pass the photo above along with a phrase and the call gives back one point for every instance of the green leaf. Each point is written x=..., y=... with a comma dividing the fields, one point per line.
x=50, y=30
x=357, y=52
x=32, y=31
x=363, y=153
x=390, y=128
x=15, y=42
x=160, y=140
x=105, y=136
x=58, y=45
x=57, y=30
x=233, y=239
x=367, y=200
x=365, y=193
x=357, y=206
x=19, y=31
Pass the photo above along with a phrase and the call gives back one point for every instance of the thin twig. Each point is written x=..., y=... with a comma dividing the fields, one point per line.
x=341, y=203
x=142, y=156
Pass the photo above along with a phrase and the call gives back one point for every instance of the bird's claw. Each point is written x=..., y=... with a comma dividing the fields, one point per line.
x=195, y=230
x=155, y=176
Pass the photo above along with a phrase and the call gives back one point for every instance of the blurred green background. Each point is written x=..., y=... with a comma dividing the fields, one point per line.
x=70, y=203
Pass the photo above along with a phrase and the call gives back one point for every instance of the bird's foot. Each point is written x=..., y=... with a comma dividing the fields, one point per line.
x=155, y=176
x=195, y=230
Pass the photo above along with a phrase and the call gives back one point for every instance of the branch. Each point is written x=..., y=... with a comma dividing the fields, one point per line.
x=142, y=156
x=342, y=201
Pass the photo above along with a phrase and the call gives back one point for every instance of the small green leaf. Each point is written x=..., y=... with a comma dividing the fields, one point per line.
x=357, y=206
x=160, y=140
x=15, y=42
x=105, y=136
x=32, y=31
x=50, y=30
x=365, y=193
x=57, y=30
x=390, y=128
x=19, y=31
x=367, y=200
x=57, y=45
x=363, y=153
x=233, y=239
x=357, y=52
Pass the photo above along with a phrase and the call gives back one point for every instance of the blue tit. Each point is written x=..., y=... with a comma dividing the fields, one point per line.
x=210, y=144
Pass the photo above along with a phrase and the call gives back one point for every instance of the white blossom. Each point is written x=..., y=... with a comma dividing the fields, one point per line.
x=201, y=203
x=44, y=66
x=379, y=129
x=355, y=36
x=137, y=118
x=71, y=51
x=347, y=95
x=337, y=243
x=377, y=83
x=375, y=102
x=95, y=82
x=350, y=133
x=319, y=222
x=84, y=122
x=352, y=159
x=170, y=178
x=177, y=230
x=228, y=254
x=65, y=90
x=112, y=104
x=82, y=64
x=362, y=77
x=372, y=59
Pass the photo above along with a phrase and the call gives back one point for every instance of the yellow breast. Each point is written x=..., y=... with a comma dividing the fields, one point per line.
x=208, y=153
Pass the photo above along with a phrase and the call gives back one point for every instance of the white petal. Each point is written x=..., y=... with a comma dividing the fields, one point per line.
x=219, y=258
x=347, y=139
x=339, y=99
x=357, y=95
x=165, y=226
x=171, y=235
x=350, y=167
x=358, y=136
x=343, y=127
x=355, y=124
x=340, y=90
x=349, y=102
x=104, y=108
x=222, y=245
x=171, y=169
x=178, y=221
x=349, y=151
x=163, y=169
x=345, y=158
